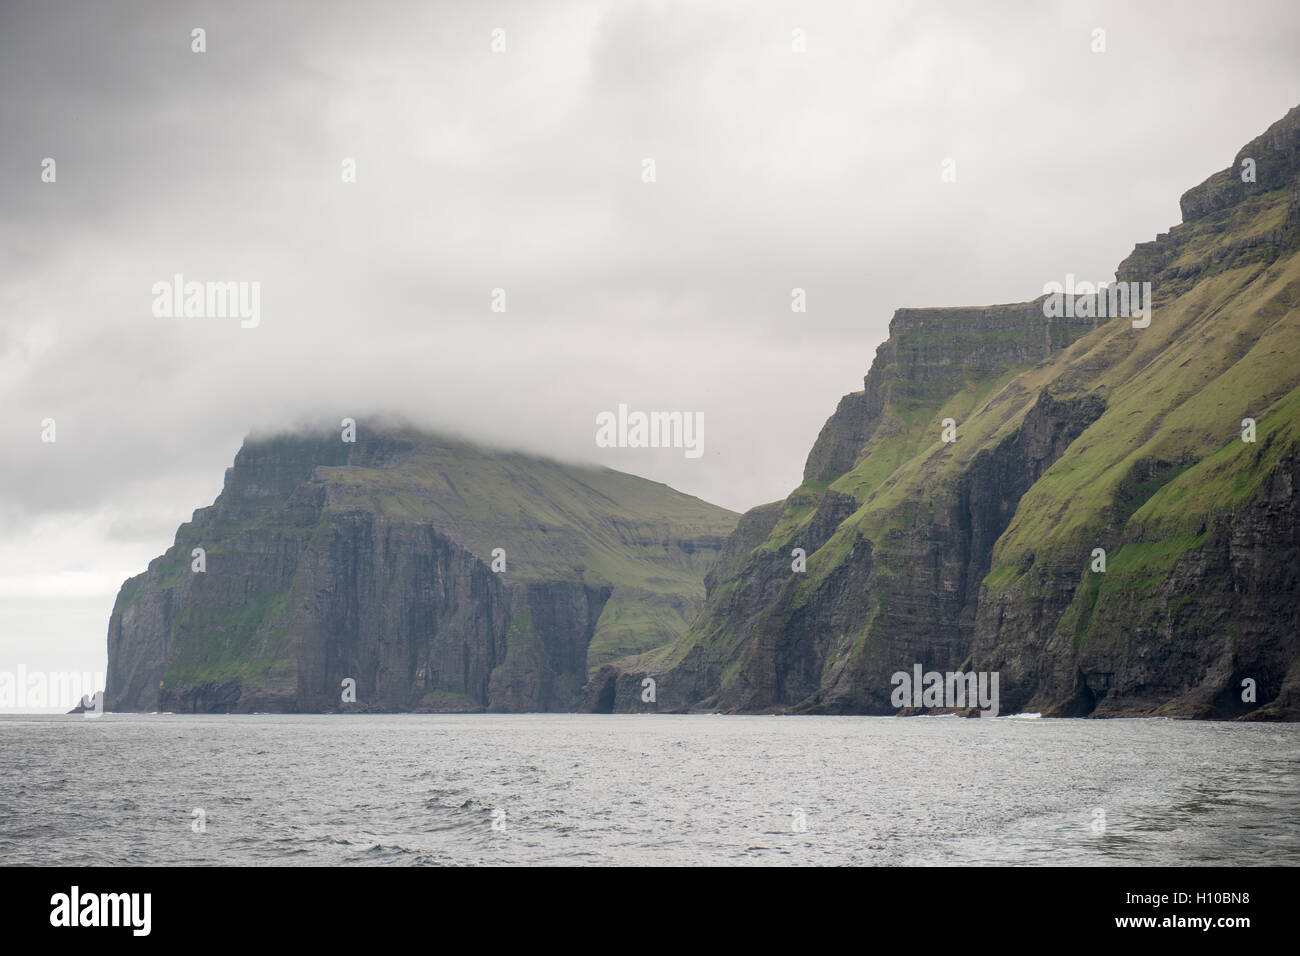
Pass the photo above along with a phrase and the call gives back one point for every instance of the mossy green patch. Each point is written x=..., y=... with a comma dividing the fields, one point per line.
x=251, y=641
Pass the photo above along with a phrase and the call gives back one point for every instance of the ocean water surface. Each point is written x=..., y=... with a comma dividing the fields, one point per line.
x=645, y=789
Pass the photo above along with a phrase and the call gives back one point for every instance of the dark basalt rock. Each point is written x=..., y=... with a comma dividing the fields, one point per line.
x=372, y=562
x=948, y=555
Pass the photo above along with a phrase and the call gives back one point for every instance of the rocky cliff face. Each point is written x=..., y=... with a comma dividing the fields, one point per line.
x=1072, y=437
x=372, y=561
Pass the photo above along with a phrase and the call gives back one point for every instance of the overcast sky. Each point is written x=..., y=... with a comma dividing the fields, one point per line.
x=523, y=170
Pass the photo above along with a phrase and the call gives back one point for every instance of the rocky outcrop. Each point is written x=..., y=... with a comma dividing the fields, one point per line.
x=1274, y=163
x=931, y=353
x=1213, y=634
x=1094, y=526
x=371, y=564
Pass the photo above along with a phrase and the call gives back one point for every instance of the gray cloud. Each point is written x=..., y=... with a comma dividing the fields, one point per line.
x=522, y=170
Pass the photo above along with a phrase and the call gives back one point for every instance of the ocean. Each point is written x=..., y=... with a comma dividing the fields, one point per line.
x=560, y=789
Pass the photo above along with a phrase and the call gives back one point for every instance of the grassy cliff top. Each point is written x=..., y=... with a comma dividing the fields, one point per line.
x=551, y=518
